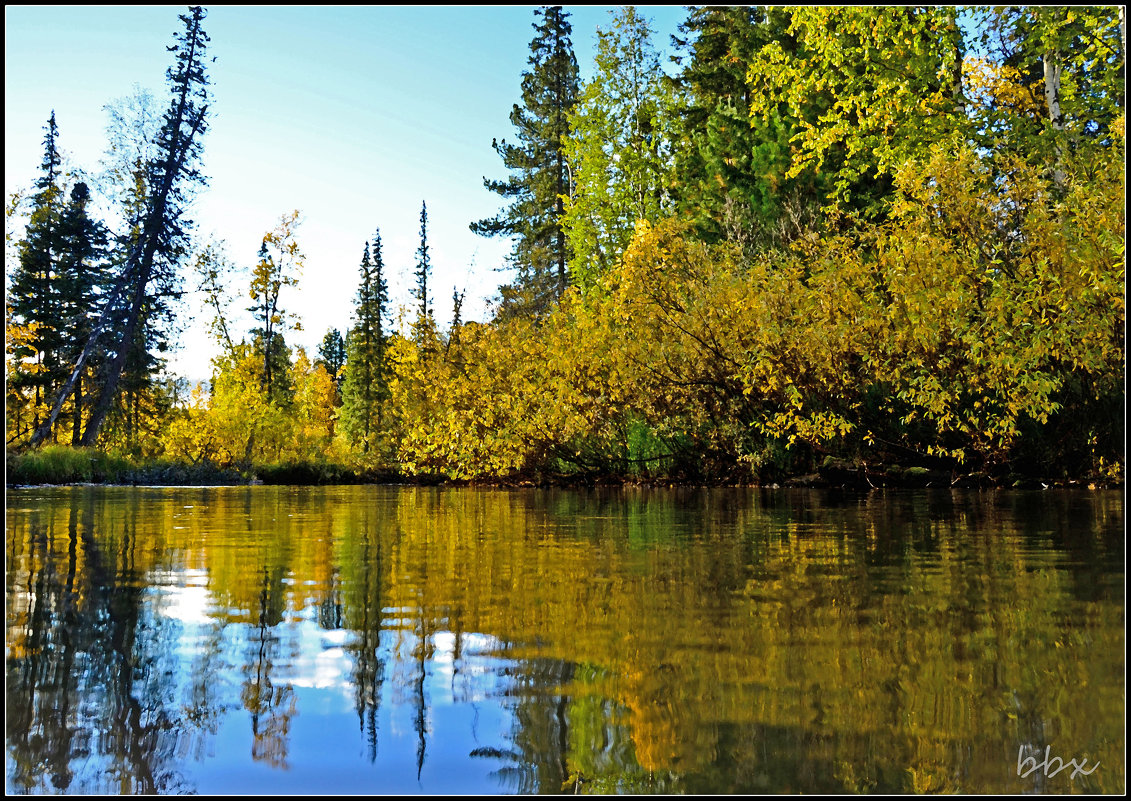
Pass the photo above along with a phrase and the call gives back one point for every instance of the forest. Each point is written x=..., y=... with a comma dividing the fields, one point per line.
x=858, y=246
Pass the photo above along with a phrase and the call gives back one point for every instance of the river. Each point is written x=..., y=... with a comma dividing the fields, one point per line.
x=341, y=640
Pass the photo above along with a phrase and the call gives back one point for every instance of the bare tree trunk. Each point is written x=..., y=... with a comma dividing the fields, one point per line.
x=1123, y=33
x=76, y=431
x=956, y=70
x=1053, y=68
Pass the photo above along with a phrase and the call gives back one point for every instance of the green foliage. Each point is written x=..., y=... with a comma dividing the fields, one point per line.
x=1083, y=51
x=861, y=91
x=732, y=166
x=59, y=464
x=423, y=270
x=619, y=148
x=833, y=243
x=33, y=294
x=974, y=329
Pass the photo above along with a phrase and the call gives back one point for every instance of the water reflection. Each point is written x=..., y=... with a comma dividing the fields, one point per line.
x=369, y=639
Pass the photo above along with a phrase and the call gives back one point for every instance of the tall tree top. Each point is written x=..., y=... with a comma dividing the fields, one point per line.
x=51, y=157
x=423, y=265
x=186, y=120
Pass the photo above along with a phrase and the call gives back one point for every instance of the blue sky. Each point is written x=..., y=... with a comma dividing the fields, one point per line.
x=352, y=115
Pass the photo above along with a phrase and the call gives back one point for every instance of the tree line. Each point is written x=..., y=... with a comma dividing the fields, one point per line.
x=874, y=236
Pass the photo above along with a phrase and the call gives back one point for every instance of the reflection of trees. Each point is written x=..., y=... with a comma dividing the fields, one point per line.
x=422, y=652
x=39, y=678
x=542, y=733
x=88, y=679
x=363, y=614
x=813, y=642
x=271, y=706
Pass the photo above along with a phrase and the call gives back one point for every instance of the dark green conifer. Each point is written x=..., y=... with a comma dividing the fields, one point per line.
x=82, y=280
x=34, y=293
x=732, y=172
x=365, y=389
x=332, y=354
x=423, y=268
x=539, y=176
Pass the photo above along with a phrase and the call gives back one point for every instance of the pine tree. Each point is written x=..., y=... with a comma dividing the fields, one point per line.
x=457, y=321
x=539, y=175
x=365, y=389
x=731, y=168
x=82, y=278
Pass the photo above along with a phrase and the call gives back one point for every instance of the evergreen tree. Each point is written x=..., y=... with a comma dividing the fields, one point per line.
x=539, y=175
x=332, y=354
x=365, y=388
x=457, y=322
x=82, y=278
x=732, y=168
x=33, y=292
x=423, y=269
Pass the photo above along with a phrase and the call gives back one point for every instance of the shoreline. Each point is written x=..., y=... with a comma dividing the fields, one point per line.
x=804, y=482
x=69, y=467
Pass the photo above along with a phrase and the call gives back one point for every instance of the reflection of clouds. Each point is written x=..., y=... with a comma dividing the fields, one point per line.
x=321, y=661
x=326, y=669
x=182, y=595
x=475, y=677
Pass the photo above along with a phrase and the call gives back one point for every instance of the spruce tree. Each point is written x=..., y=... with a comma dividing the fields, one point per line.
x=423, y=268
x=539, y=175
x=731, y=168
x=82, y=279
x=457, y=319
x=33, y=293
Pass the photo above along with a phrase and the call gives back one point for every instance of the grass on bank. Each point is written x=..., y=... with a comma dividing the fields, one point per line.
x=62, y=464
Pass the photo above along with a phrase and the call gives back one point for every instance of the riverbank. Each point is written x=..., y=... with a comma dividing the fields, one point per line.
x=56, y=465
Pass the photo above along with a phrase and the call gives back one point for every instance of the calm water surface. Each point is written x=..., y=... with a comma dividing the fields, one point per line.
x=381, y=640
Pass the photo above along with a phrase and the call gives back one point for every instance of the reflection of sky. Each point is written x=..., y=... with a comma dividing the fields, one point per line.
x=327, y=745
x=183, y=596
